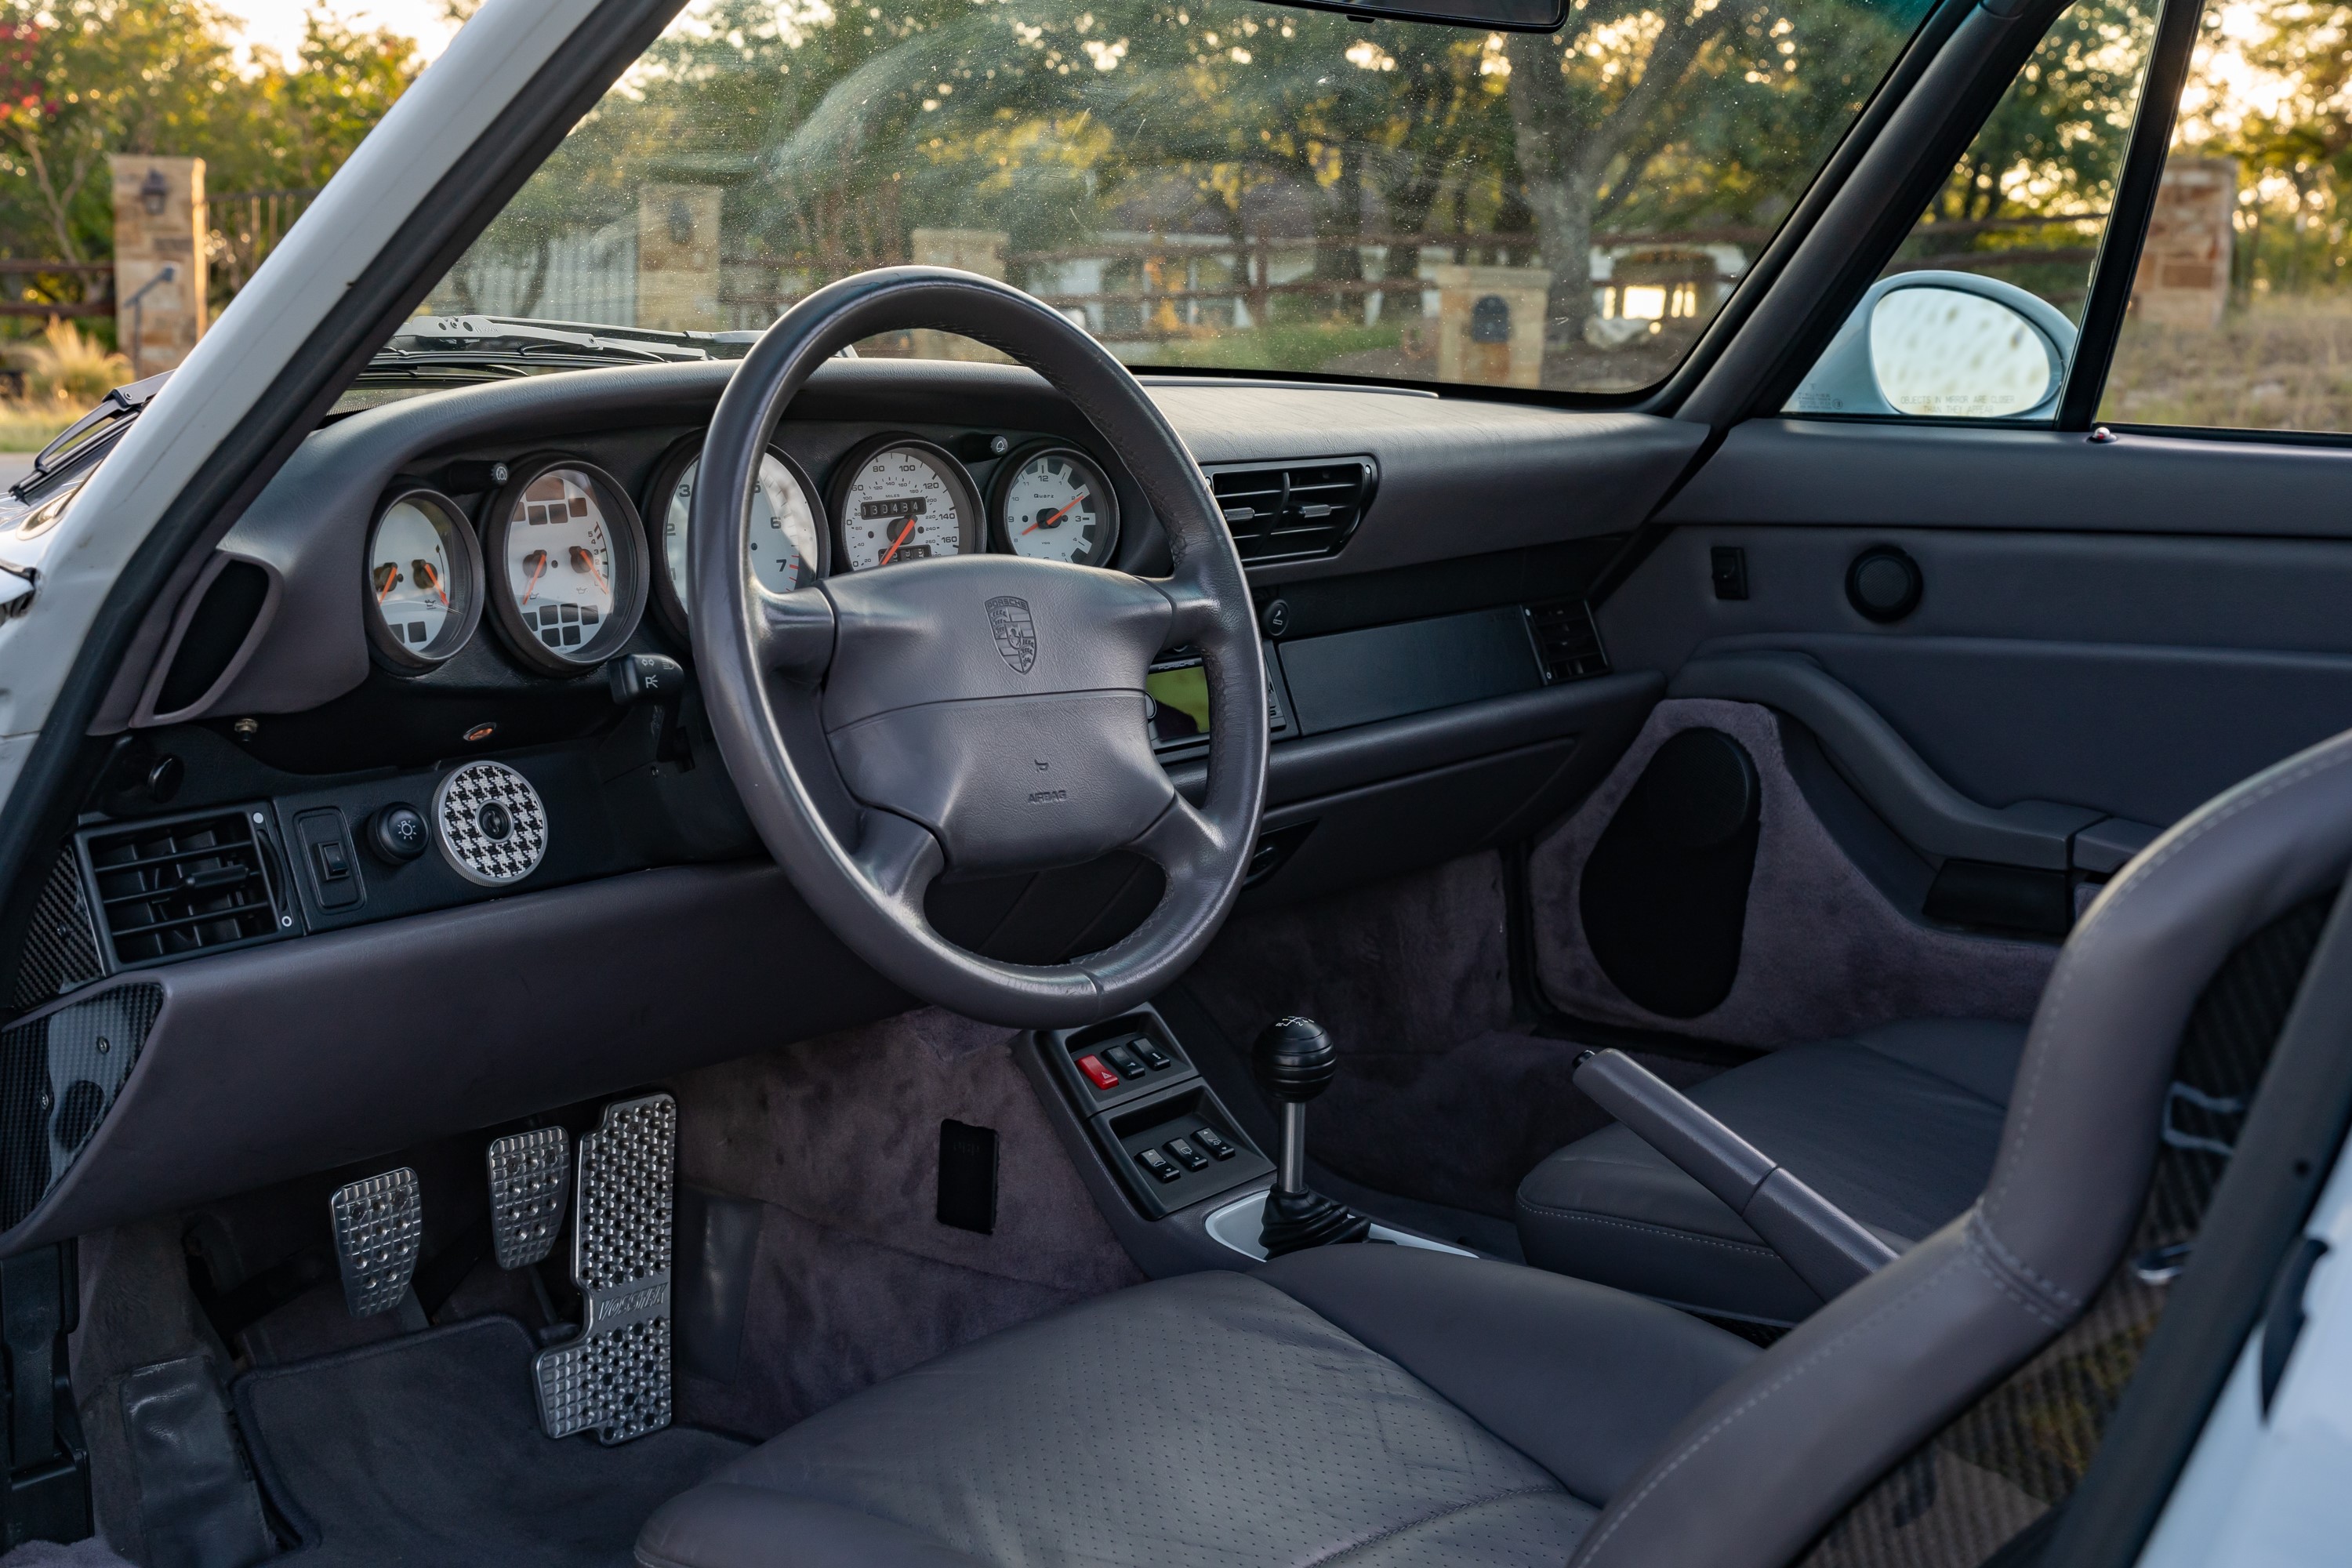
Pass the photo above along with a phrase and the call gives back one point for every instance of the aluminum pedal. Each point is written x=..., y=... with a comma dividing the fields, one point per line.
x=615, y=1378
x=378, y=1224
x=531, y=1175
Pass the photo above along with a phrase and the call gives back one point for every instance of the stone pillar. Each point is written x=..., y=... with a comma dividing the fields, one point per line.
x=2183, y=279
x=980, y=250
x=1490, y=324
x=677, y=259
x=160, y=224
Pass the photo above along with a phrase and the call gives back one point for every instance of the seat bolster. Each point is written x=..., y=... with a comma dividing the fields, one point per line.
x=728, y=1525
x=1515, y=1348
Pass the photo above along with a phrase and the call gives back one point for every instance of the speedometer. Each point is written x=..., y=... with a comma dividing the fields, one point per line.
x=1054, y=503
x=423, y=581
x=787, y=547
x=567, y=563
x=899, y=499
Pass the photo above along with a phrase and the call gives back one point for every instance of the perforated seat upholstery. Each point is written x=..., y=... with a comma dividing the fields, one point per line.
x=1897, y=1125
x=1390, y=1405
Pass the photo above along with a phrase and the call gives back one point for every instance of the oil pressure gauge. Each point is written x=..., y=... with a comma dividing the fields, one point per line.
x=1053, y=502
x=423, y=581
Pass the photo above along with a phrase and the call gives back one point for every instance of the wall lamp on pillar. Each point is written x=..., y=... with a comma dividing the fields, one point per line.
x=154, y=191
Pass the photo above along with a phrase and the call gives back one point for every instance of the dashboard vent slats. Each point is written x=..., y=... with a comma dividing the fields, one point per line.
x=1293, y=511
x=1567, y=642
x=191, y=884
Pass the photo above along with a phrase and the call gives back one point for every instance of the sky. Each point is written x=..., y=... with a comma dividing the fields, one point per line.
x=277, y=24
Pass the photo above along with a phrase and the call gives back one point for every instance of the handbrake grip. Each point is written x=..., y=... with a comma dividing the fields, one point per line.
x=1827, y=1249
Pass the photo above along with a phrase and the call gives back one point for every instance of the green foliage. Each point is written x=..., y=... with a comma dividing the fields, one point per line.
x=82, y=78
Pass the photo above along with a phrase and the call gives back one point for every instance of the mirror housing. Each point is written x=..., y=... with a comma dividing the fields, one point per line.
x=1906, y=329
x=1485, y=15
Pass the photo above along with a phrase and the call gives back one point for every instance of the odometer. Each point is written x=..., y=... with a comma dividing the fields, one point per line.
x=899, y=499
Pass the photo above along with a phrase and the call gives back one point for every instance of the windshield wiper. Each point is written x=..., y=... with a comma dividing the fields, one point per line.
x=89, y=437
x=511, y=341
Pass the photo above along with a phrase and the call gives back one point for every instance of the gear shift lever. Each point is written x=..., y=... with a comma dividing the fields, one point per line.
x=1295, y=1062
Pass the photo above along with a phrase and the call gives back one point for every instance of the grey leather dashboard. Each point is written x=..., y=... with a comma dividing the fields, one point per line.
x=1457, y=476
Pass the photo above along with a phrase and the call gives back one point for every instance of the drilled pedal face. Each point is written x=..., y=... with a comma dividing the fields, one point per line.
x=379, y=1222
x=614, y=1379
x=531, y=1172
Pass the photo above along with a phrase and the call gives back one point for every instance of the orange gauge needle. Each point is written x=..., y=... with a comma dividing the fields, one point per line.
x=431, y=579
x=537, y=561
x=896, y=543
x=387, y=578
x=1050, y=521
x=583, y=562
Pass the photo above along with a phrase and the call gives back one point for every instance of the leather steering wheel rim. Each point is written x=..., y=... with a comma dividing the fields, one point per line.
x=977, y=713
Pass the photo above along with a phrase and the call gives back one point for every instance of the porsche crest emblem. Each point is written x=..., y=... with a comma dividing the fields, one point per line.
x=1017, y=634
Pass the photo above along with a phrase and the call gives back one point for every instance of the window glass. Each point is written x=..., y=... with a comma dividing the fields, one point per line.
x=1212, y=183
x=1976, y=316
x=2241, y=308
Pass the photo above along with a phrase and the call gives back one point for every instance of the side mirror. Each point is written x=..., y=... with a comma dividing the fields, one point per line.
x=1485, y=15
x=1943, y=345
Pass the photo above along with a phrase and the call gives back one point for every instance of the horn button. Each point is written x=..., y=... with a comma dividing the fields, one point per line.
x=999, y=703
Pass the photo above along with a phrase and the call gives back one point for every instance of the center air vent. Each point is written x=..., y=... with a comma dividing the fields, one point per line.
x=1296, y=511
x=187, y=885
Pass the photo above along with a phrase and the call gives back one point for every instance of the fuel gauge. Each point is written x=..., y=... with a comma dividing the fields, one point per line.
x=423, y=581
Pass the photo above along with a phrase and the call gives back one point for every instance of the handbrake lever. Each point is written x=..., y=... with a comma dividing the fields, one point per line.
x=1829, y=1249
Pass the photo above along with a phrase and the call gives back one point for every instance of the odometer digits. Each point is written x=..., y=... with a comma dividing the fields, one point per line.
x=899, y=499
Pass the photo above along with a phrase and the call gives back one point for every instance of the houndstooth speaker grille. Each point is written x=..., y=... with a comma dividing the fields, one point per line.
x=489, y=824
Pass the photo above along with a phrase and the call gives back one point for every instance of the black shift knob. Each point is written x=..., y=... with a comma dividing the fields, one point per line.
x=1294, y=1060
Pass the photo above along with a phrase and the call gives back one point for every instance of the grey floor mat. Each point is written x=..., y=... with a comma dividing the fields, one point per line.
x=427, y=1450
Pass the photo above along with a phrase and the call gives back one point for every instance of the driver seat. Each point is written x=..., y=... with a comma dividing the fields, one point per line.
x=1381, y=1406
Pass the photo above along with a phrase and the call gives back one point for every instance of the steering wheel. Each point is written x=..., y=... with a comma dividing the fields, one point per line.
x=977, y=713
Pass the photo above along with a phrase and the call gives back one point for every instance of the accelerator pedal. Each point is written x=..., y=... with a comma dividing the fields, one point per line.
x=531, y=1174
x=378, y=1224
x=615, y=1378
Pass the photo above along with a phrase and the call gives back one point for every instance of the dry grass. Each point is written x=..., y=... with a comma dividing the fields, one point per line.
x=2278, y=365
x=65, y=373
x=30, y=426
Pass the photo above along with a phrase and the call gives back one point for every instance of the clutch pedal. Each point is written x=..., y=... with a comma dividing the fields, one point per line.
x=531, y=1174
x=378, y=1224
x=614, y=1379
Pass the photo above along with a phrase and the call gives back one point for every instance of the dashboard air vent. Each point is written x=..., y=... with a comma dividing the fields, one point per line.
x=1567, y=642
x=188, y=885
x=1296, y=511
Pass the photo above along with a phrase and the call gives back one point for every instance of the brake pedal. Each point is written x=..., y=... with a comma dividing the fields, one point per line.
x=379, y=1225
x=615, y=1378
x=530, y=1173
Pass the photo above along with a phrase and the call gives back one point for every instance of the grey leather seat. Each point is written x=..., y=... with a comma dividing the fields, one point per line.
x=1397, y=1407
x=1897, y=1125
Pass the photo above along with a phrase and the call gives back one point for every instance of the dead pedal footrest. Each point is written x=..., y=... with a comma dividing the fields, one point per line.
x=615, y=1378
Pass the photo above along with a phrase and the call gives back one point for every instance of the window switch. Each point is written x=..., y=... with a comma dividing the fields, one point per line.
x=1183, y=1152
x=334, y=863
x=1153, y=1057
x=1216, y=1143
x=1123, y=1060
x=1097, y=1074
x=1153, y=1161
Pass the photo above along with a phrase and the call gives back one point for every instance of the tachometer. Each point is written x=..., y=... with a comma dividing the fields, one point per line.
x=787, y=549
x=1054, y=503
x=569, y=560
x=423, y=581
x=898, y=499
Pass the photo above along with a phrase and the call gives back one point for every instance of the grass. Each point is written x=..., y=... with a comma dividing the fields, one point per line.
x=30, y=426
x=2275, y=364
x=66, y=373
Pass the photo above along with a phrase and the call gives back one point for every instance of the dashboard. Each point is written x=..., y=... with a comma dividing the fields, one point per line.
x=403, y=807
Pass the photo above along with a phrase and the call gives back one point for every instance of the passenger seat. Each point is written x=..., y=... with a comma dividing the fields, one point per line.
x=1897, y=1125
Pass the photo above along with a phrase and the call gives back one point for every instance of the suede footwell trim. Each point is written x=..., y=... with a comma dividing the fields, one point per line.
x=1822, y=952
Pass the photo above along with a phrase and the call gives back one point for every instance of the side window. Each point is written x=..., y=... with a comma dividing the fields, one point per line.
x=2241, y=314
x=1977, y=315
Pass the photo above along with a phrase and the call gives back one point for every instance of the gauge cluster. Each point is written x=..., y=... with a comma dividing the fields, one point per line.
x=565, y=562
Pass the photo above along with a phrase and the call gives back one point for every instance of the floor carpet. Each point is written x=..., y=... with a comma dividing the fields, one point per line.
x=427, y=1450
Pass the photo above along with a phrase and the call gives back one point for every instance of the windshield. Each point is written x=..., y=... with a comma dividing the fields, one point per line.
x=1221, y=185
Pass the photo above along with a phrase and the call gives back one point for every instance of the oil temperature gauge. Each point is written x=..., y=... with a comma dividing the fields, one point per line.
x=1052, y=502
